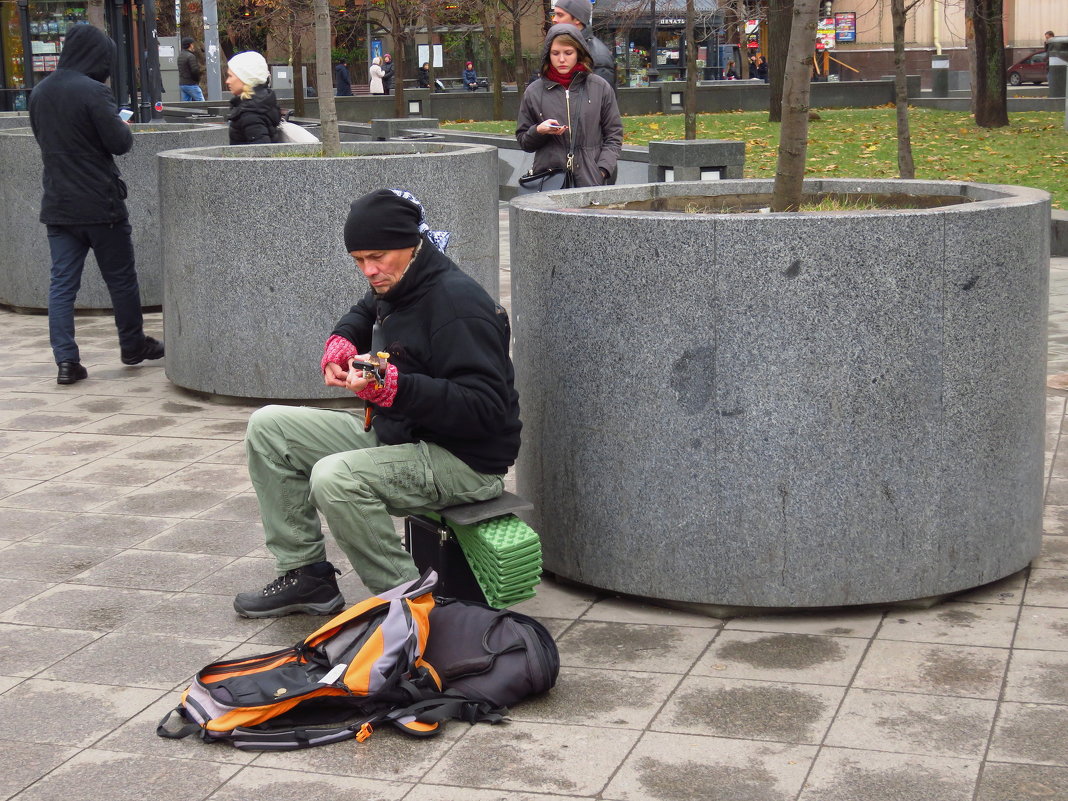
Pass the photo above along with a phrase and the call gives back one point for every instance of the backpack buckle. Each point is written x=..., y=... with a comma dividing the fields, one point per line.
x=366, y=730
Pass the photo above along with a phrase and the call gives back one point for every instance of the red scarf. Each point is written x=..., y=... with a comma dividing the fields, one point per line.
x=565, y=78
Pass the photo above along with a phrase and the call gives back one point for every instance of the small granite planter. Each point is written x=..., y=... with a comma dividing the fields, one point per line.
x=24, y=282
x=783, y=410
x=256, y=272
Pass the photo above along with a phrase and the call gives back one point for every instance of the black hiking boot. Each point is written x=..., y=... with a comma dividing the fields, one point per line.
x=152, y=349
x=311, y=590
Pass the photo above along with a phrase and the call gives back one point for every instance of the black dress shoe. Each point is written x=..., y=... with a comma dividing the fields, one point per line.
x=69, y=372
x=152, y=349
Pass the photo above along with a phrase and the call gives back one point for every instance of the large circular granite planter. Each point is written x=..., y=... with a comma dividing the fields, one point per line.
x=24, y=281
x=783, y=410
x=256, y=272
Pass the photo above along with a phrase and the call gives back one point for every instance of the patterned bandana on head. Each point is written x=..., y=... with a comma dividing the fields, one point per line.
x=440, y=239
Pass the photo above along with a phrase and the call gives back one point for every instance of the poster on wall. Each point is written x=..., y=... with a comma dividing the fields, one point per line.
x=825, y=34
x=845, y=26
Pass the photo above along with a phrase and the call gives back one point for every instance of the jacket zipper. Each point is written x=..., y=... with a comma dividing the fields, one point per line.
x=570, y=134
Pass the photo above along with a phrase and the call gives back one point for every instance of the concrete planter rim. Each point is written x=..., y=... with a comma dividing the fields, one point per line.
x=156, y=128
x=374, y=150
x=980, y=196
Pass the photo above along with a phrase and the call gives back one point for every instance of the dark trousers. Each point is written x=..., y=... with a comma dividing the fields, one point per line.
x=113, y=248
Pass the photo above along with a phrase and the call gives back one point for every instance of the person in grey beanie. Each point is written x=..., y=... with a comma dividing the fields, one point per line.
x=580, y=14
x=443, y=416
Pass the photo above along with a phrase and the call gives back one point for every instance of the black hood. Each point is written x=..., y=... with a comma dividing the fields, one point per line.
x=88, y=50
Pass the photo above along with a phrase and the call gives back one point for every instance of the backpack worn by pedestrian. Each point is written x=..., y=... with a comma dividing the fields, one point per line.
x=368, y=666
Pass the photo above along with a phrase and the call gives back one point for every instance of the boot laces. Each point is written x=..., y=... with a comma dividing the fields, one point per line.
x=281, y=583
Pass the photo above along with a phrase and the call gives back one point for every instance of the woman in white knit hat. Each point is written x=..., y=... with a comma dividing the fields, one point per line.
x=254, y=114
x=376, y=86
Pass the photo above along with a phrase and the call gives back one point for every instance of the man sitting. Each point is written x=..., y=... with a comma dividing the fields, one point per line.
x=445, y=419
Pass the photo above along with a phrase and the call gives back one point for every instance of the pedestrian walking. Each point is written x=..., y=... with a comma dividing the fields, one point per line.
x=78, y=128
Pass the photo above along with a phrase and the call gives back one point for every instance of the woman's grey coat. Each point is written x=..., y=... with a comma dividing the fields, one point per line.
x=589, y=110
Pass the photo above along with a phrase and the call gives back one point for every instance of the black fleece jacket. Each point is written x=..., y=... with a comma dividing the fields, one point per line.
x=455, y=383
x=76, y=123
x=254, y=121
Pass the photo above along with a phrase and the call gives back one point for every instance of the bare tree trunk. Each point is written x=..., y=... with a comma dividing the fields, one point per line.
x=517, y=52
x=95, y=14
x=780, y=15
x=323, y=64
x=793, y=134
x=400, y=66
x=431, y=75
x=984, y=24
x=905, y=166
x=690, y=98
x=297, y=57
x=492, y=34
x=738, y=9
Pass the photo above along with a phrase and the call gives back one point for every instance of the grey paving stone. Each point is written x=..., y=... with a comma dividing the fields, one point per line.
x=387, y=755
x=283, y=631
x=797, y=658
x=440, y=792
x=99, y=609
x=93, y=775
x=1037, y=677
x=25, y=401
x=933, y=669
x=1054, y=554
x=24, y=763
x=233, y=454
x=628, y=646
x=1033, y=733
x=40, y=466
x=9, y=487
x=848, y=775
x=222, y=537
x=26, y=650
x=211, y=428
x=18, y=524
x=1001, y=782
x=558, y=600
x=1055, y=519
x=74, y=444
x=105, y=531
x=123, y=472
x=164, y=502
x=209, y=476
x=47, y=420
x=54, y=712
x=675, y=767
x=256, y=782
x=239, y=575
x=913, y=724
x=752, y=710
x=152, y=570
x=1042, y=628
x=1047, y=588
x=159, y=661
x=955, y=623
x=540, y=758
x=836, y=623
x=206, y=617
x=41, y=561
x=100, y=405
x=167, y=449
x=608, y=698
x=11, y=441
x=237, y=507
x=137, y=735
x=132, y=424
x=633, y=610
x=15, y=591
x=62, y=496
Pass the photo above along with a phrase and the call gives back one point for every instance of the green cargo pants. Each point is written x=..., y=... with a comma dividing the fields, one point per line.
x=302, y=459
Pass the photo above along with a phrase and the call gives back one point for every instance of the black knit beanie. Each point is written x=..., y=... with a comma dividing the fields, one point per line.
x=382, y=220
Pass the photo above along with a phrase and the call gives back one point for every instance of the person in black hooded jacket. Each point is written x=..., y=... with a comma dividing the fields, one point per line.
x=76, y=123
x=254, y=113
x=445, y=419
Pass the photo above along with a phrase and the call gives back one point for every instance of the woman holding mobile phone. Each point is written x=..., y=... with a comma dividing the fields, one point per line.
x=570, y=111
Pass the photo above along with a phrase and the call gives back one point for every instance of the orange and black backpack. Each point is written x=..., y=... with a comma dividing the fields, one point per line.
x=366, y=667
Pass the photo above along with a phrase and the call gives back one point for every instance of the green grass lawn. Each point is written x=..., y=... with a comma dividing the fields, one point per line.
x=862, y=143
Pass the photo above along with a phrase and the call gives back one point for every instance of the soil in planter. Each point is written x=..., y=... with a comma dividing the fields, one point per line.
x=823, y=202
